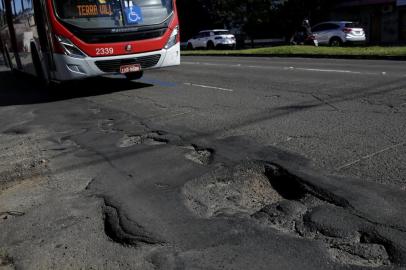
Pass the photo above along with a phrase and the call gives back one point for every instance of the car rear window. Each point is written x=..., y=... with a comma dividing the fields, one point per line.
x=353, y=25
x=221, y=32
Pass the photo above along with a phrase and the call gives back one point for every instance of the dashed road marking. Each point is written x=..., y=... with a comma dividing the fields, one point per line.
x=209, y=87
x=287, y=68
x=370, y=155
x=329, y=70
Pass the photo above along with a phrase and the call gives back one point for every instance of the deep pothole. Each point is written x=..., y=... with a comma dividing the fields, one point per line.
x=129, y=140
x=202, y=156
x=243, y=189
x=360, y=254
x=151, y=139
x=280, y=200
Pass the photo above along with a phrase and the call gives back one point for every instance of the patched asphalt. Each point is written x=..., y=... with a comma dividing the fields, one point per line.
x=221, y=163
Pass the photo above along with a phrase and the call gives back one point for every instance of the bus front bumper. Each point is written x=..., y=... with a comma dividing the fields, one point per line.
x=70, y=68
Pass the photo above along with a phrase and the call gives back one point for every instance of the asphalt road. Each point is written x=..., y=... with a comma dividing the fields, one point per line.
x=220, y=163
x=346, y=116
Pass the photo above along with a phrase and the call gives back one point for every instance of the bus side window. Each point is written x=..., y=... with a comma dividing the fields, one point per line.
x=28, y=8
x=16, y=8
x=2, y=23
x=2, y=14
x=27, y=5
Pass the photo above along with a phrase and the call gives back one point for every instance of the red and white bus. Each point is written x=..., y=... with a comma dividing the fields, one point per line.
x=60, y=40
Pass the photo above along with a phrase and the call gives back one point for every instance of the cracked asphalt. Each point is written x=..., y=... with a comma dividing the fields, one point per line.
x=220, y=163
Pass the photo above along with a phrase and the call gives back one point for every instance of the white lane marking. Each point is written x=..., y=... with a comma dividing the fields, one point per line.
x=287, y=68
x=212, y=64
x=209, y=87
x=370, y=155
x=329, y=70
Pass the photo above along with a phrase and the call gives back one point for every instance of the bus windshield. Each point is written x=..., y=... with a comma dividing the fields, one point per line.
x=112, y=13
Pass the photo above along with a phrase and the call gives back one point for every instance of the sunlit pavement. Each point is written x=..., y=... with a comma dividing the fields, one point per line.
x=221, y=163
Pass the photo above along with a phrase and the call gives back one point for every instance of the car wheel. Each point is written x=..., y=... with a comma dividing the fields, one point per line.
x=189, y=46
x=134, y=76
x=210, y=45
x=335, y=42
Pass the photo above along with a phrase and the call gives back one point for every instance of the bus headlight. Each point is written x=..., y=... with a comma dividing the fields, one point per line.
x=69, y=48
x=173, y=39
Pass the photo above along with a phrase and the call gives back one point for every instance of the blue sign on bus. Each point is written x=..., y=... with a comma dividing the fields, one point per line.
x=133, y=15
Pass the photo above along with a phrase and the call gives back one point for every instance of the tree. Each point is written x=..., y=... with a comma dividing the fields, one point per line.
x=256, y=18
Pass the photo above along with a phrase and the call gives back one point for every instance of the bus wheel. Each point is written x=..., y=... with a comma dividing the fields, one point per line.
x=8, y=59
x=134, y=76
x=38, y=67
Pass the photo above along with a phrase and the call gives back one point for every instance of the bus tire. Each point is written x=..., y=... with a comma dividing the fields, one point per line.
x=42, y=79
x=8, y=58
x=134, y=76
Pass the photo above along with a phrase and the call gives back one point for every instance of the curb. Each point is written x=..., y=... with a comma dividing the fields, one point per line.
x=316, y=56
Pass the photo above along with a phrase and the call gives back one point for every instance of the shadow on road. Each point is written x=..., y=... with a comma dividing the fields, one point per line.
x=24, y=90
x=20, y=89
x=252, y=119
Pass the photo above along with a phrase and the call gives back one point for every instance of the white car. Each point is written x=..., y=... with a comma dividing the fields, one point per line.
x=212, y=39
x=337, y=33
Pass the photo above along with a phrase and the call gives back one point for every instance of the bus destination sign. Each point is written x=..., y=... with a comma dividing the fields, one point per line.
x=94, y=10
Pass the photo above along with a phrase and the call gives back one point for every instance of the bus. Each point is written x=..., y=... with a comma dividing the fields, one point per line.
x=62, y=40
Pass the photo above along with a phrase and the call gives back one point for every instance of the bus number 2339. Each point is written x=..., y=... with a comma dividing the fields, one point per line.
x=104, y=51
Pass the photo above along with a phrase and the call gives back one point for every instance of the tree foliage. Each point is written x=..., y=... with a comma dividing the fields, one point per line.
x=255, y=18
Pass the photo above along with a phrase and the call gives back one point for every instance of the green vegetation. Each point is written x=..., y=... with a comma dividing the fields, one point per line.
x=310, y=51
x=255, y=19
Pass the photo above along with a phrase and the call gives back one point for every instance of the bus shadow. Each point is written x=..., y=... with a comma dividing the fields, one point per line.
x=20, y=89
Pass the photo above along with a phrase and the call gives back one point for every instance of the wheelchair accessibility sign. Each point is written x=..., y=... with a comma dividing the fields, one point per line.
x=133, y=15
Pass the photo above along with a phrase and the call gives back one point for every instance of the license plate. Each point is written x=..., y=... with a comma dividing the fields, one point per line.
x=130, y=68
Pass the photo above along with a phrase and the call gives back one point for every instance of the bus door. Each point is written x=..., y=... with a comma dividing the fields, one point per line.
x=11, y=43
x=2, y=28
x=24, y=29
x=43, y=35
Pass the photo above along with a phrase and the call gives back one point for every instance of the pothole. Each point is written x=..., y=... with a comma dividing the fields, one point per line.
x=20, y=172
x=151, y=139
x=243, y=189
x=10, y=214
x=106, y=125
x=129, y=140
x=17, y=131
x=131, y=236
x=156, y=138
x=282, y=216
x=6, y=262
x=154, y=141
x=286, y=184
x=367, y=255
x=199, y=155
